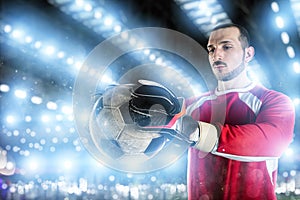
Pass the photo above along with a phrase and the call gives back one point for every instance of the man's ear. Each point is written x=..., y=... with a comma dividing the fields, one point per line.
x=249, y=53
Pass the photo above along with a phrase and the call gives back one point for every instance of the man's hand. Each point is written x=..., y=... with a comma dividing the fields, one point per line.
x=154, y=107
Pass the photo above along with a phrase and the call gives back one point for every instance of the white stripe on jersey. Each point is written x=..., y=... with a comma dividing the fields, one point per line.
x=252, y=101
x=198, y=103
x=243, y=158
x=272, y=165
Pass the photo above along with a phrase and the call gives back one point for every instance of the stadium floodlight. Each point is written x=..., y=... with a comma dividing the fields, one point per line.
x=65, y=140
x=296, y=66
x=54, y=140
x=88, y=7
x=57, y=128
x=107, y=79
x=71, y=118
x=36, y=100
x=59, y=117
x=159, y=61
x=79, y=2
x=61, y=54
x=51, y=105
x=10, y=165
x=67, y=110
x=23, y=140
x=285, y=37
x=98, y=14
x=204, y=13
x=135, y=192
x=111, y=178
x=38, y=44
x=293, y=172
x=117, y=28
x=203, y=5
x=290, y=51
x=45, y=118
x=68, y=164
x=296, y=102
x=152, y=57
x=49, y=50
x=279, y=22
x=20, y=94
x=28, y=118
x=92, y=15
x=7, y=28
x=108, y=21
x=4, y=88
x=72, y=130
x=52, y=149
x=16, y=133
x=78, y=65
x=33, y=165
x=275, y=7
x=16, y=34
x=10, y=119
x=190, y=5
x=146, y=51
x=28, y=39
x=295, y=5
x=70, y=61
x=289, y=152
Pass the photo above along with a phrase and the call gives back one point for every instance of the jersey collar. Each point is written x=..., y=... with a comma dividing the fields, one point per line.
x=245, y=89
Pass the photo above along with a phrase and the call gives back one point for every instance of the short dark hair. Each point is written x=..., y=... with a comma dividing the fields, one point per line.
x=244, y=37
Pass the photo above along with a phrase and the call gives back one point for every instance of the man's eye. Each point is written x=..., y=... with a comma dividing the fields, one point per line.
x=227, y=47
x=210, y=51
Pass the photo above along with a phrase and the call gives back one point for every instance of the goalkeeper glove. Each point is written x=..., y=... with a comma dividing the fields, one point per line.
x=154, y=107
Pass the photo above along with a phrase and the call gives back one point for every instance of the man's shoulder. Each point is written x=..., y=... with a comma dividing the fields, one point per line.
x=203, y=95
x=264, y=93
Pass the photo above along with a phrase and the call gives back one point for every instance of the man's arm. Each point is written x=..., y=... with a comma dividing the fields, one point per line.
x=266, y=138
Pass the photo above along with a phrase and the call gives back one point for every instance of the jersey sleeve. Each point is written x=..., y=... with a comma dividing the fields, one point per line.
x=265, y=138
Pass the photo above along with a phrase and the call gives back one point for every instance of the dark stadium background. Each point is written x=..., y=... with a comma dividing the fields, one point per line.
x=43, y=44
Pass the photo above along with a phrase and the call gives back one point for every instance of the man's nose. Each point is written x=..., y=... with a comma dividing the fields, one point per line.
x=218, y=55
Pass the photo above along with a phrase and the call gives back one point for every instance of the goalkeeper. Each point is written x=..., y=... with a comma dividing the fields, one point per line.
x=236, y=132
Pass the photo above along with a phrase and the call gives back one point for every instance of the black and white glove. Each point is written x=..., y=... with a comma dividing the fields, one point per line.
x=154, y=107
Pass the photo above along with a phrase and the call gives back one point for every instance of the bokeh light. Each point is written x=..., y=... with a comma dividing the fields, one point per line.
x=43, y=47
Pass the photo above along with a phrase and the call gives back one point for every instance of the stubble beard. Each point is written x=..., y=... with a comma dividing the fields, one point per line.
x=232, y=74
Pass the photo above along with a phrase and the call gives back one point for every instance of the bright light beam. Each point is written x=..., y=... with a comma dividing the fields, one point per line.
x=289, y=152
x=33, y=165
x=36, y=100
x=279, y=22
x=296, y=102
x=296, y=66
x=45, y=118
x=285, y=37
x=4, y=88
x=275, y=6
x=67, y=110
x=10, y=119
x=51, y=105
x=68, y=164
x=20, y=94
x=7, y=28
x=49, y=50
x=108, y=21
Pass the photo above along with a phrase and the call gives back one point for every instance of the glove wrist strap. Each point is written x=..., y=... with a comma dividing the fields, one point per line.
x=208, y=137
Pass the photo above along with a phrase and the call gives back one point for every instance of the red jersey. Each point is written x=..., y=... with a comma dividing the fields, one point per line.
x=255, y=126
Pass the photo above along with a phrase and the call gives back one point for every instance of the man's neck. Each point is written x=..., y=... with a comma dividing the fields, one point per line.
x=240, y=81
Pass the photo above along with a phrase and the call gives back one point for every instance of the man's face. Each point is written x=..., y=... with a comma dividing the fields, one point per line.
x=226, y=55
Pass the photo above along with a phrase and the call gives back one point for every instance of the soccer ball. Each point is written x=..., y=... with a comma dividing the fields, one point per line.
x=118, y=142
x=115, y=134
